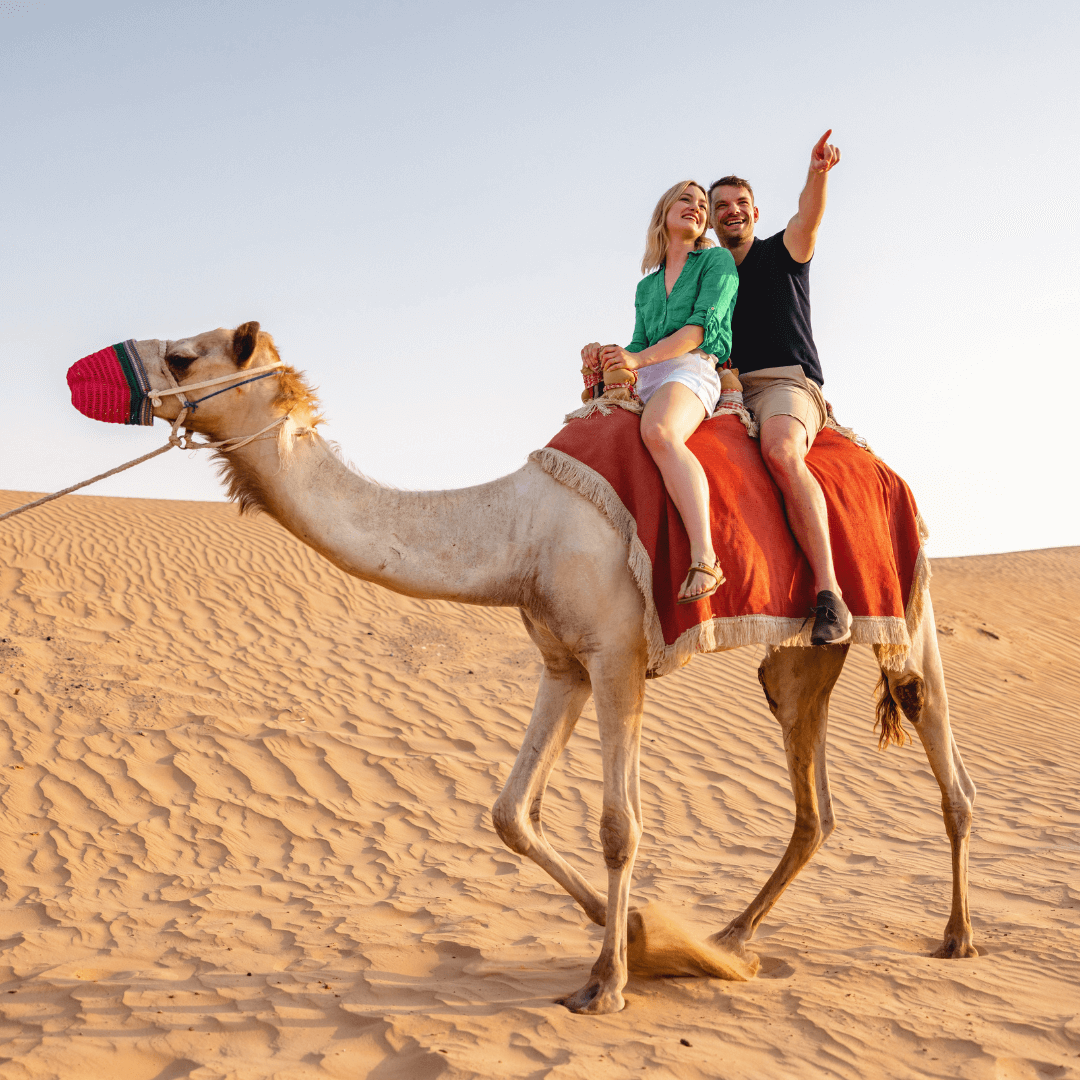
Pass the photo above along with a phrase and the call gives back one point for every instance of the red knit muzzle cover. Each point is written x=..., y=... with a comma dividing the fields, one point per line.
x=112, y=385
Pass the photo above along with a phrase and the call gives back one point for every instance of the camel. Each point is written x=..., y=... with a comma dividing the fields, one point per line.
x=529, y=542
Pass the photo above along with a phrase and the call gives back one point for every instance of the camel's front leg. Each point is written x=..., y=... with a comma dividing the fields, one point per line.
x=920, y=692
x=797, y=684
x=564, y=689
x=620, y=695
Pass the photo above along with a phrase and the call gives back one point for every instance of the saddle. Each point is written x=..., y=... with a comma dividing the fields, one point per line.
x=617, y=384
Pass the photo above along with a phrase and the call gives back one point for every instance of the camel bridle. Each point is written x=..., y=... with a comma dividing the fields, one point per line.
x=183, y=439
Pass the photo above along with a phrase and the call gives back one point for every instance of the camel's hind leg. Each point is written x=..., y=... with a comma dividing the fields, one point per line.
x=797, y=684
x=564, y=689
x=919, y=691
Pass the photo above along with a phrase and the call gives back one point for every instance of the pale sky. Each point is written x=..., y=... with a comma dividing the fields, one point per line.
x=432, y=207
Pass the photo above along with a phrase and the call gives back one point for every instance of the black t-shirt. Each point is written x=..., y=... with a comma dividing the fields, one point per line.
x=771, y=324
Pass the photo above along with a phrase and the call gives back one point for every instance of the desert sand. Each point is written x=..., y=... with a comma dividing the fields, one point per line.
x=246, y=831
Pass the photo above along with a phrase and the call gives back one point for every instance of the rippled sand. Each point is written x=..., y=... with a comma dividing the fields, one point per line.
x=246, y=831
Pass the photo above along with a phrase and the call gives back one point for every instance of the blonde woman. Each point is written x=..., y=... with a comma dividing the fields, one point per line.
x=682, y=334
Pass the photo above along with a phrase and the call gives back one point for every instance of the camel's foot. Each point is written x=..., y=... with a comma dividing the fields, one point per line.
x=658, y=945
x=732, y=940
x=595, y=998
x=956, y=946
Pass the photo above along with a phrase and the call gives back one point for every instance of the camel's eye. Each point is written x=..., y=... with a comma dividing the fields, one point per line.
x=180, y=363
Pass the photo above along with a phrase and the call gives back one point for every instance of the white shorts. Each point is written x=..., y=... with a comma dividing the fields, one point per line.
x=696, y=371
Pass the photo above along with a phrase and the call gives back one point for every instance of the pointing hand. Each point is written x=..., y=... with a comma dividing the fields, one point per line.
x=824, y=155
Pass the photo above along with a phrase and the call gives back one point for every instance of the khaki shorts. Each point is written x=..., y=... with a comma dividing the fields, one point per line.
x=785, y=391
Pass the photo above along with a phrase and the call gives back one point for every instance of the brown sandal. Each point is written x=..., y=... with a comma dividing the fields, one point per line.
x=704, y=568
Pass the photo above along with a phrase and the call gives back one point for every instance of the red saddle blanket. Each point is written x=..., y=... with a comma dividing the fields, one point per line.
x=877, y=537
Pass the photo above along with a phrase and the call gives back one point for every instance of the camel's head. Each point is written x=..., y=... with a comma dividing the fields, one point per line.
x=213, y=355
x=135, y=381
x=218, y=354
x=235, y=390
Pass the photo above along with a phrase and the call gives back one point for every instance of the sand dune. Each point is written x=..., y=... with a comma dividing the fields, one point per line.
x=246, y=831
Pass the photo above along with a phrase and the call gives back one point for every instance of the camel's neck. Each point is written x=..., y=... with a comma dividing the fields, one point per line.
x=453, y=545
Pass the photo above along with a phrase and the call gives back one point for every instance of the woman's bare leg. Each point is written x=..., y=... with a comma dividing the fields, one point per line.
x=671, y=416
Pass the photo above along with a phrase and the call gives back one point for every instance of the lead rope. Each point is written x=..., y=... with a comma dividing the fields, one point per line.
x=184, y=441
x=86, y=483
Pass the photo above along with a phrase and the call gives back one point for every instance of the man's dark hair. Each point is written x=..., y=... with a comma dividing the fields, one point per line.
x=730, y=181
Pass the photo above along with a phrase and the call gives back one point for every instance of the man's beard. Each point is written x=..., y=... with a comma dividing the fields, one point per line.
x=729, y=240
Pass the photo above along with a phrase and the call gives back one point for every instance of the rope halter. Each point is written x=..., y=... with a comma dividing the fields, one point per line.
x=255, y=373
x=185, y=441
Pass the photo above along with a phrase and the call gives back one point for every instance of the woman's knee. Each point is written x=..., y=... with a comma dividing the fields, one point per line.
x=656, y=434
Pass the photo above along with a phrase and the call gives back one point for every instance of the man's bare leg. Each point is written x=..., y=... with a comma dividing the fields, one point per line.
x=784, y=446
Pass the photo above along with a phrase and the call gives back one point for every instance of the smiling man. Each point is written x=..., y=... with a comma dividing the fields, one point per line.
x=774, y=352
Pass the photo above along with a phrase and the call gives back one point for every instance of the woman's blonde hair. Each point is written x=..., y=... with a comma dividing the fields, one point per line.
x=656, y=239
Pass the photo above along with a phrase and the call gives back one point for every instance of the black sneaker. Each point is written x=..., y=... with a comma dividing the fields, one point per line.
x=832, y=620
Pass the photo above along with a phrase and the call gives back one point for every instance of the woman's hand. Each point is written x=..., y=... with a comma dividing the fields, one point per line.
x=615, y=356
x=590, y=355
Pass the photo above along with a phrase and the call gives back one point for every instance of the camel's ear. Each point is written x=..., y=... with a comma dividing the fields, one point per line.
x=245, y=338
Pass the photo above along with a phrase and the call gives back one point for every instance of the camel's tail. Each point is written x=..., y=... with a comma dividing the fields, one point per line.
x=888, y=717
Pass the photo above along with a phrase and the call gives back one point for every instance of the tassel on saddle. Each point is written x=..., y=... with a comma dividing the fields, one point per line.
x=615, y=384
x=731, y=397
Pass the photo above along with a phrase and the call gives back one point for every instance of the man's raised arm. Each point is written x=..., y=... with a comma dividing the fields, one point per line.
x=800, y=236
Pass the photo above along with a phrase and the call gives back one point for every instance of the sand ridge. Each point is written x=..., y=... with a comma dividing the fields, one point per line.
x=246, y=831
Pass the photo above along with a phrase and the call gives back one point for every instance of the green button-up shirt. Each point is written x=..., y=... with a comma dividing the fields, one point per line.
x=704, y=296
